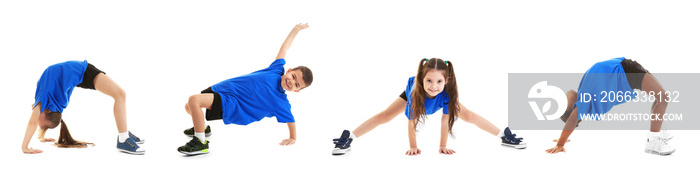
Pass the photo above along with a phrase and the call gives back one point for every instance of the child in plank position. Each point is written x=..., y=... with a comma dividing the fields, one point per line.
x=248, y=98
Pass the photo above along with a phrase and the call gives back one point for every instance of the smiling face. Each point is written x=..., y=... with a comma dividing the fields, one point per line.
x=293, y=80
x=434, y=82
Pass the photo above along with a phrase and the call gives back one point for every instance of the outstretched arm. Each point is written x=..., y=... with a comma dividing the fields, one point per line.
x=444, y=132
x=290, y=38
x=292, y=135
x=31, y=128
x=568, y=129
x=412, y=138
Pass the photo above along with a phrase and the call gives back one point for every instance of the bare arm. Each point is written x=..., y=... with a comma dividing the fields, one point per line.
x=290, y=38
x=31, y=128
x=412, y=138
x=444, y=133
x=568, y=129
x=292, y=135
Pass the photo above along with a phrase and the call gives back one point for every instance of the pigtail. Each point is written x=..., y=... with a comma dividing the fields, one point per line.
x=452, y=92
x=65, y=140
x=417, y=109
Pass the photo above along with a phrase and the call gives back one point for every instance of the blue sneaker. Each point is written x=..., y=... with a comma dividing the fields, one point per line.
x=136, y=138
x=342, y=144
x=509, y=139
x=129, y=146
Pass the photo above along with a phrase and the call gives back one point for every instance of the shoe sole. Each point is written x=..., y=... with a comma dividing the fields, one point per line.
x=205, y=151
x=340, y=151
x=132, y=152
x=523, y=146
x=659, y=153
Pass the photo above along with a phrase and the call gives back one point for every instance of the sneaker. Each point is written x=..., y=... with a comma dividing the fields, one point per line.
x=658, y=145
x=194, y=147
x=129, y=146
x=190, y=131
x=136, y=138
x=509, y=139
x=342, y=144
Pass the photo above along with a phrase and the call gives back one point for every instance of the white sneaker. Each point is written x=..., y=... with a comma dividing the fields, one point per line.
x=658, y=145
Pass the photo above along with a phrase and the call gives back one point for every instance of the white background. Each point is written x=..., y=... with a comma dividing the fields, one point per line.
x=361, y=52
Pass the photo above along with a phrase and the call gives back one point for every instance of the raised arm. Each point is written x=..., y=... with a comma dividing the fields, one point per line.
x=290, y=38
x=31, y=128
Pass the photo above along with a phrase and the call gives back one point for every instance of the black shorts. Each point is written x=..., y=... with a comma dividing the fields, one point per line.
x=216, y=112
x=89, y=77
x=403, y=96
x=634, y=72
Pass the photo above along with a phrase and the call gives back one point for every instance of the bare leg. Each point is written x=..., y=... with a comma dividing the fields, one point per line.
x=107, y=86
x=473, y=118
x=650, y=84
x=383, y=117
x=195, y=105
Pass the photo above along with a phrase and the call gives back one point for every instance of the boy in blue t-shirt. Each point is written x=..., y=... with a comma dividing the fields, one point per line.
x=248, y=98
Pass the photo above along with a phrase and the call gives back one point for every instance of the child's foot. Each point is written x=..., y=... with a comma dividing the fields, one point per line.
x=190, y=131
x=129, y=146
x=658, y=145
x=136, y=138
x=194, y=147
x=342, y=144
x=509, y=139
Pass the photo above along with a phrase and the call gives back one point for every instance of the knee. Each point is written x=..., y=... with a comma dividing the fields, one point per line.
x=120, y=95
x=192, y=101
x=187, y=107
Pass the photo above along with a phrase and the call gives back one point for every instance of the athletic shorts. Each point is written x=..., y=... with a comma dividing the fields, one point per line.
x=89, y=77
x=216, y=112
x=403, y=96
x=634, y=72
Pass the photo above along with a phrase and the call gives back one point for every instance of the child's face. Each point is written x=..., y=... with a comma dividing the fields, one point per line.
x=434, y=82
x=293, y=80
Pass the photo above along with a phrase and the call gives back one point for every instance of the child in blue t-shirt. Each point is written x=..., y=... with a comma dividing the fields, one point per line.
x=617, y=75
x=53, y=92
x=248, y=98
x=432, y=89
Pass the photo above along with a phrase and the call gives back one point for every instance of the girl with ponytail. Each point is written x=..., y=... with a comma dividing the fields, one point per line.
x=433, y=88
x=53, y=92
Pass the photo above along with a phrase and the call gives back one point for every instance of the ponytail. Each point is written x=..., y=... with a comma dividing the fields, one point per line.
x=65, y=140
x=417, y=106
x=451, y=89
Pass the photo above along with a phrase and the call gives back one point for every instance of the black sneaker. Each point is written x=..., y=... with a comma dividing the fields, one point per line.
x=190, y=131
x=342, y=144
x=194, y=147
x=509, y=139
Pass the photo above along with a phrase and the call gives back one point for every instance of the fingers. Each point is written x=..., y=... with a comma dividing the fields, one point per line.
x=287, y=142
x=413, y=152
x=447, y=151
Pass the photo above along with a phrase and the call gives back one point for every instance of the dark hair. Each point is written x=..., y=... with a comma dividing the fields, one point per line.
x=307, y=75
x=53, y=117
x=418, y=95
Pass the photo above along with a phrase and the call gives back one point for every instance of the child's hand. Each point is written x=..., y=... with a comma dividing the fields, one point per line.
x=288, y=141
x=301, y=26
x=413, y=151
x=447, y=151
x=47, y=140
x=556, y=149
x=31, y=150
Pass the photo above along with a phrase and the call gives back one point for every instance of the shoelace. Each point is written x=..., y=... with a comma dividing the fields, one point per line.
x=339, y=142
x=131, y=143
x=134, y=136
x=512, y=140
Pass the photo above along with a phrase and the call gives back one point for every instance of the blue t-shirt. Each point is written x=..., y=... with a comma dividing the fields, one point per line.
x=56, y=85
x=604, y=76
x=251, y=97
x=431, y=105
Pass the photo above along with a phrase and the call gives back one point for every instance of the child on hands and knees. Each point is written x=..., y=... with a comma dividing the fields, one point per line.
x=53, y=92
x=617, y=75
x=434, y=87
x=248, y=98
